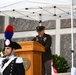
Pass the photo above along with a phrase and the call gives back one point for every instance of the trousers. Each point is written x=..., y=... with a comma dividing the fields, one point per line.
x=46, y=68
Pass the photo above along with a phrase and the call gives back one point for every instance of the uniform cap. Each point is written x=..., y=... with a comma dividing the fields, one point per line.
x=8, y=36
x=12, y=44
x=40, y=28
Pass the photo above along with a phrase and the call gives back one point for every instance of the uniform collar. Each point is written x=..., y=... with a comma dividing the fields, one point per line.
x=11, y=56
x=42, y=35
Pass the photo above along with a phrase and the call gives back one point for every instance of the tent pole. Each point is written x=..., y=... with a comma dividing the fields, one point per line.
x=40, y=19
x=72, y=46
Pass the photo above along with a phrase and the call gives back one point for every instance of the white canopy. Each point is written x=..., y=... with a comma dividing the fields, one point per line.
x=37, y=10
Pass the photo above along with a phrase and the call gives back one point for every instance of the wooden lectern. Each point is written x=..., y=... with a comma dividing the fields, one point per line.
x=32, y=51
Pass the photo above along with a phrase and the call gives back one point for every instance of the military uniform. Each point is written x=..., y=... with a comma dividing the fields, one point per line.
x=13, y=67
x=10, y=64
x=46, y=41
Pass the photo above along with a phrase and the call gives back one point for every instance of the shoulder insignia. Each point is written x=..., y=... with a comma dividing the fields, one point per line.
x=19, y=60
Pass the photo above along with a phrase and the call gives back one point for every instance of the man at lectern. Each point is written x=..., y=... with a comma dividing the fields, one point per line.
x=46, y=41
x=10, y=64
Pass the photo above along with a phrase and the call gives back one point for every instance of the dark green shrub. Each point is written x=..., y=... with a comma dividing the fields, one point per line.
x=60, y=64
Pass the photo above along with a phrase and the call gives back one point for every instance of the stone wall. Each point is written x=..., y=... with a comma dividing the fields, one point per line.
x=65, y=48
x=26, y=25
x=1, y=29
x=66, y=23
x=1, y=24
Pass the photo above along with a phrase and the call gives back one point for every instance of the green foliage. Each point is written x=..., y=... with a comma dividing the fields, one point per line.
x=60, y=64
